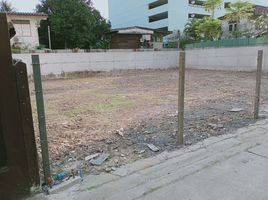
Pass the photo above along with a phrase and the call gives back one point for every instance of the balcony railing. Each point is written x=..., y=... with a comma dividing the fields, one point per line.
x=157, y=3
x=157, y=17
x=196, y=3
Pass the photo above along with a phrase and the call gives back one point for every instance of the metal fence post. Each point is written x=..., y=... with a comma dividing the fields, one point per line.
x=258, y=85
x=181, y=98
x=41, y=116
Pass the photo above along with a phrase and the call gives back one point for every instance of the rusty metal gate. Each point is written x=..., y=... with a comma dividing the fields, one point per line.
x=18, y=156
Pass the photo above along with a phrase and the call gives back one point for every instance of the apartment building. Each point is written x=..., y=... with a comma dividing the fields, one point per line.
x=161, y=14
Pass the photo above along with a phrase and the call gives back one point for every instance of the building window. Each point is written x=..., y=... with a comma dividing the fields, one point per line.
x=196, y=16
x=157, y=17
x=22, y=27
x=157, y=3
x=232, y=26
x=227, y=4
x=3, y=156
x=196, y=3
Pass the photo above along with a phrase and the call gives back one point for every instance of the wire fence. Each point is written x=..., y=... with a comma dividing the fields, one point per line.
x=85, y=115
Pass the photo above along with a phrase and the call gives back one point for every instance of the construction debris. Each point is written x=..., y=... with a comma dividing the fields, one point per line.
x=236, y=110
x=90, y=157
x=99, y=160
x=120, y=132
x=153, y=147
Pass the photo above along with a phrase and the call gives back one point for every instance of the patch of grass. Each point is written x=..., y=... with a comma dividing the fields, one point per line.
x=115, y=102
x=151, y=190
x=50, y=109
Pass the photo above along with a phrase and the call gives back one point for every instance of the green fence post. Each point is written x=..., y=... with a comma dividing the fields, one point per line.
x=41, y=116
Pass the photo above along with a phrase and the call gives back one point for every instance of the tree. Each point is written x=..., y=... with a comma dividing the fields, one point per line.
x=238, y=10
x=190, y=29
x=261, y=23
x=73, y=24
x=212, y=6
x=6, y=6
x=209, y=29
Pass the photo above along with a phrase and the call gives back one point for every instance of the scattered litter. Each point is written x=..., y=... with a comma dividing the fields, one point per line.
x=108, y=169
x=141, y=152
x=45, y=189
x=81, y=174
x=215, y=126
x=236, y=110
x=120, y=132
x=152, y=147
x=61, y=176
x=100, y=160
x=73, y=173
x=90, y=157
x=220, y=126
x=50, y=181
x=264, y=111
x=109, y=142
x=66, y=125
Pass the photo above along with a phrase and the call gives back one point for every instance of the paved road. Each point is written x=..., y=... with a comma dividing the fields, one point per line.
x=230, y=167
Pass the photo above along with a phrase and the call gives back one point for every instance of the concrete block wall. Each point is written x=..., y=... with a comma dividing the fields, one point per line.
x=57, y=63
x=232, y=59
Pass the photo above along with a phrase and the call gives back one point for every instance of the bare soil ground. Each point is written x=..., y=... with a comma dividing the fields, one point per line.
x=84, y=114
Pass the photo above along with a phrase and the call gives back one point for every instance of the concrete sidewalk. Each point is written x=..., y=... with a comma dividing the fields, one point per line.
x=230, y=167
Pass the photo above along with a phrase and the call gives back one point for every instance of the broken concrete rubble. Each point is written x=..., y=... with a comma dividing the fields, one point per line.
x=100, y=160
x=153, y=147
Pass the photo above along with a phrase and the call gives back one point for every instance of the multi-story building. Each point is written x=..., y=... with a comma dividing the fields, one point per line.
x=161, y=14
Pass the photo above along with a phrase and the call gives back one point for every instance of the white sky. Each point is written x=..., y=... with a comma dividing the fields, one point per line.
x=29, y=5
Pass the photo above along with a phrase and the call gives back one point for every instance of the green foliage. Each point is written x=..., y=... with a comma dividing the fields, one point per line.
x=190, y=29
x=184, y=41
x=238, y=10
x=16, y=50
x=171, y=45
x=201, y=29
x=261, y=23
x=73, y=24
x=209, y=29
x=212, y=6
x=6, y=6
x=40, y=47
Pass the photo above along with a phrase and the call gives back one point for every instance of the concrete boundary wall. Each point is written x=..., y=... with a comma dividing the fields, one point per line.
x=58, y=63
x=232, y=59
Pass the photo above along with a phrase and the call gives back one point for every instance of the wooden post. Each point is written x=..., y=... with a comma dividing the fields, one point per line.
x=181, y=98
x=258, y=85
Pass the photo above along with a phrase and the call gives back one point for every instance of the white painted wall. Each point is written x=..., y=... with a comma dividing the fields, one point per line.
x=57, y=63
x=31, y=41
x=233, y=59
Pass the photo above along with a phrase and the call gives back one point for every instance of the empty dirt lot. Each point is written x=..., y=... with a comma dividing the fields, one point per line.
x=84, y=114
